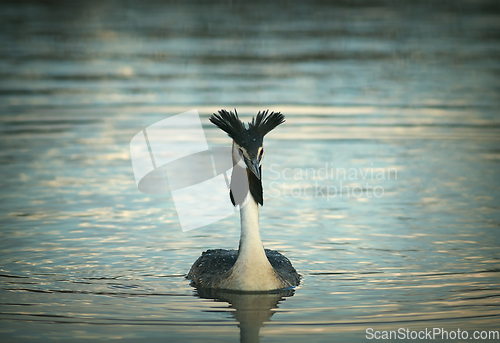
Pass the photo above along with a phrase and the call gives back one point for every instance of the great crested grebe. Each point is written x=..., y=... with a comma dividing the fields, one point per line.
x=251, y=268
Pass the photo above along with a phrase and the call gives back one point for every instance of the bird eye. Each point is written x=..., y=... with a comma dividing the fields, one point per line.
x=241, y=152
x=261, y=153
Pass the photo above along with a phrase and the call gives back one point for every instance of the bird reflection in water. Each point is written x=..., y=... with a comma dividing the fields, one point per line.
x=252, y=309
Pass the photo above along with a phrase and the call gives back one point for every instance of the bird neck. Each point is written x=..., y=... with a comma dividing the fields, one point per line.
x=245, y=187
x=252, y=271
x=250, y=242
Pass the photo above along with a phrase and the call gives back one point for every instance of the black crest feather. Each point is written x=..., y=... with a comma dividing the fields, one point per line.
x=260, y=126
x=229, y=123
x=265, y=122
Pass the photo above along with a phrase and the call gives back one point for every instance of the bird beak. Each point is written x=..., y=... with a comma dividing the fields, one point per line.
x=254, y=168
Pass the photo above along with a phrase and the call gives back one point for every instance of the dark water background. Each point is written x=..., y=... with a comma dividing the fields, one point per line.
x=366, y=87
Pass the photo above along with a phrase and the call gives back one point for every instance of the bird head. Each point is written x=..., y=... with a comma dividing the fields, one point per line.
x=248, y=139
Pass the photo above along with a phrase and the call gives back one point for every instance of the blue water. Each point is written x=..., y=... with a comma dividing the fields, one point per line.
x=381, y=187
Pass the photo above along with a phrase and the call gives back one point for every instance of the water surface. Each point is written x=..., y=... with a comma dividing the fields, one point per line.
x=381, y=188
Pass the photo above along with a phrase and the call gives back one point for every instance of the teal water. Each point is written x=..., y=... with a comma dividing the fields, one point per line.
x=381, y=187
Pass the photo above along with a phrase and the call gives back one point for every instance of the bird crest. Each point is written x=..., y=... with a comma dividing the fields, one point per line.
x=260, y=125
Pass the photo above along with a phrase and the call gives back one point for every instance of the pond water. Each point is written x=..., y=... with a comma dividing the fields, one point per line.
x=381, y=187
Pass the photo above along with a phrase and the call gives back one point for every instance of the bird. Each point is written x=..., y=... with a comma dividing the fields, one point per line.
x=251, y=267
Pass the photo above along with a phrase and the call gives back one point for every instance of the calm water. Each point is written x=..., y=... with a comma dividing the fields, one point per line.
x=382, y=186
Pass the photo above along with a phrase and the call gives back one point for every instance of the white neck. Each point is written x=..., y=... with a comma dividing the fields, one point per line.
x=252, y=270
x=251, y=248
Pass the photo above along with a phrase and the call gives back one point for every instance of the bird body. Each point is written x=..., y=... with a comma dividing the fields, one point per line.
x=251, y=268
